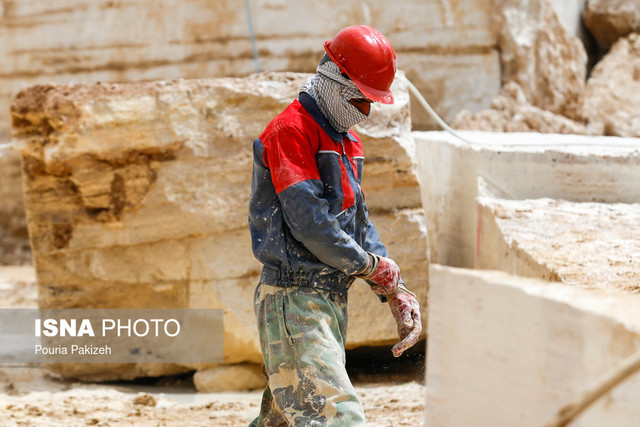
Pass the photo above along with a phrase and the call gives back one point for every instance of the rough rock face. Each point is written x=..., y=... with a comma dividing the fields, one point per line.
x=608, y=20
x=446, y=47
x=612, y=94
x=544, y=69
x=14, y=243
x=137, y=194
x=510, y=111
x=584, y=244
x=541, y=55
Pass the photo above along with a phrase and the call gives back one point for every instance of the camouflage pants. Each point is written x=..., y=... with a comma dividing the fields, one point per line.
x=302, y=335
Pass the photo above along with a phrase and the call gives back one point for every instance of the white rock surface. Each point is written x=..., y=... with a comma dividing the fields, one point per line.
x=516, y=166
x=581, y=244
x=137, y=195
x=507, y=351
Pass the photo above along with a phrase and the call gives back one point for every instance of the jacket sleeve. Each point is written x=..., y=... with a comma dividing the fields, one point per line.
x=291, y=159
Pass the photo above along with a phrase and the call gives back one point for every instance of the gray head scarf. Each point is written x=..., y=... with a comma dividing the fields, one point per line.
x=332, y=92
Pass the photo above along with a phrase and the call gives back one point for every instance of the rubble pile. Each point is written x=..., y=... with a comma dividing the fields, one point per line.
x=545, y=86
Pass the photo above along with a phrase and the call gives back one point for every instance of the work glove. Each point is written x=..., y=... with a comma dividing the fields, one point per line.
x=382, y=274
x=406, y=312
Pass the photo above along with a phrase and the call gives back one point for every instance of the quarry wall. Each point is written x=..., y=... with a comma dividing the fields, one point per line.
x=448, y=48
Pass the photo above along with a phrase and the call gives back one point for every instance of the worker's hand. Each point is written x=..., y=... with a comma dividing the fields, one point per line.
x=406, y=311
x=383, y=275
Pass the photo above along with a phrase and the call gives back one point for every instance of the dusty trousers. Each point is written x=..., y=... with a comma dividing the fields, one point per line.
x=302, y=336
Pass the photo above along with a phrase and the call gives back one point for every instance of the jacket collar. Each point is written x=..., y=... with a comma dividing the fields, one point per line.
x=312, y=108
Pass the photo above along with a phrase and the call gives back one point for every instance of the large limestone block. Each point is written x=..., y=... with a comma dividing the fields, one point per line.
x=609, y=20
x=583, y=244
x=542, y=56
x=507, y=351
x=612, y=93
x=137, y=195
x=517, y=166
x=14, y=242
x=448, y=47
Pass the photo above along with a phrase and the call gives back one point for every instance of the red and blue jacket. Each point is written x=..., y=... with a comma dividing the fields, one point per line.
x=307, y=215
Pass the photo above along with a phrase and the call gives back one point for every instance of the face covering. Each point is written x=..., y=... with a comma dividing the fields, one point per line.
x=332, y=92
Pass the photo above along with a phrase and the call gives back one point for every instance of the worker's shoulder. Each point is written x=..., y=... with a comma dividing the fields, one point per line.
x=293, y=120
x=295, y=116
x=356, y=137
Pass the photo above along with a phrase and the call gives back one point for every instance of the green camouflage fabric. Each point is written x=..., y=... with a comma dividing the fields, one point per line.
x=302, y=335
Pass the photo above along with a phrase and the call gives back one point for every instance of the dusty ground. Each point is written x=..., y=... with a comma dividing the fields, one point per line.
x=30, y=396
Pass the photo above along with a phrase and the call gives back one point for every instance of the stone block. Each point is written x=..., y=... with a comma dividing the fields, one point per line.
x=136, y=196
x=581, y=244
x=516, y=166
x=506, y=351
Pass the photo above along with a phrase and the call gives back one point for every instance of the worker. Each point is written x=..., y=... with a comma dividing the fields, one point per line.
x=311, y=231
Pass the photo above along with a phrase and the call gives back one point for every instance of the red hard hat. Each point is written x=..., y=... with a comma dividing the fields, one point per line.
x=366, y=56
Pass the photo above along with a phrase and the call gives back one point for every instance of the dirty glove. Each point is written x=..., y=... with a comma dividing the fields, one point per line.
x=382, y=274
x=406, y=311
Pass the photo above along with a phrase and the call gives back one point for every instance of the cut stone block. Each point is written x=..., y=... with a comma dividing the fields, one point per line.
x=507, y=351
x=583, y=244
x=137, y=195
x=517, y=166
